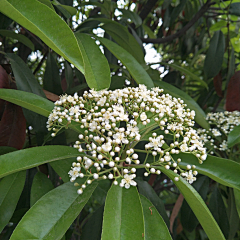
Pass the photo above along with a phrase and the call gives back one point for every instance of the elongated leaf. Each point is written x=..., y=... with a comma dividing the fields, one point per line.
x=218, y=210
x=53, y=214
x=123, y=217
x=234, y=137
x=188, y=218
x=71, y=10
x=237, y=200
x=235, y=9
x=214, y=57
x=47, y=25
x=21, y=38
x=47, y=3
x=11, y=188
x=187, y=72
x=131, y=15
x=52, y=80
x=40, y=186
x=146, y=190
x=198, y=206
x=122, y=36
x=27, y=100
x=135, y=69
x=224, y=171
x=155, y=227
x=97, y=71
x=32, y=157
x=200, y=117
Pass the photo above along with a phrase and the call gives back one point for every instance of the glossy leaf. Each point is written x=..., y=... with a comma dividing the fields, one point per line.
x=11, y=188
x=53, y=214
x=123, y=216
x=27, y=100
x=234, y=137
x=12, y=126
x=188, y=218
x=218, y=210
x=122, y=36
x=97, y=71
x=32, y=157
x=131, y=15
x=71, y=10
x=155, y=227
x=200, y=117
x=52, y=80
x=47, y=3
x=214, y=57
x=187, y=73
x=198, y=206
x=224, y=171
x=40, y=186
x=21, y=38
x=135, y=69
x=146, y=190
x=47, y=25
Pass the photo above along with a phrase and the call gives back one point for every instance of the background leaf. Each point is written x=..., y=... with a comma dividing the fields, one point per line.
x=234, y=137
x=214, y=57
x=40, y=186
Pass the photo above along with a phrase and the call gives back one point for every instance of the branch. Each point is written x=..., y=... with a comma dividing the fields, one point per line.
x=181, y=32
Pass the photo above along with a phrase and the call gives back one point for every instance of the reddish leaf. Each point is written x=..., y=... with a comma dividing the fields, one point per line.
x=175, y=211
x=152, y=179
x=233, y=93
x=64, y=84
x=12, y=127
x=217, y=81
x=51, y=96
x=4, y=83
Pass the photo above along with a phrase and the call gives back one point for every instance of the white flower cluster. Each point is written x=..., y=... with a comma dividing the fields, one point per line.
x=111, y=124
x=222, y=124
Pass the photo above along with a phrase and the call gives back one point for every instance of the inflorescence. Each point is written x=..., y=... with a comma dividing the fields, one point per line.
x=222, y=124
x=112, y=123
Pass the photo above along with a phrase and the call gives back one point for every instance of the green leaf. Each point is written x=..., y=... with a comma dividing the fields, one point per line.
x=10, y=188
x=224, y=171
x=188, y=218
x=27, y=100
x=97, y=71
x=131, y=15
x=53, y=214
x=4, y=150
x=198, y=206
x=237, y=200
x=69, y=76
x=231, y=66
x=122, y=36
x=149, y=31
x=47, y=3
x=71, y=10
x=21, y=38
x=187, y=73
x=155, y=227
x=146, y=190
x=123, y=217
x=32, y=157
x=176, y=11
x=62, y=168
x=135, y=69
x=214, y=56
x=51, y=79
x=93, y=228
x=234, y=9
x=47, y=25
x=40, y=186
x=218, y=210
x=234, y=137
x=200, y=117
